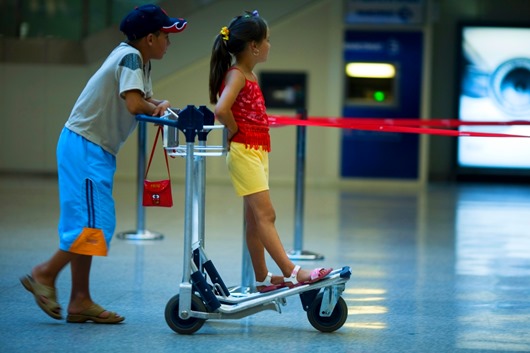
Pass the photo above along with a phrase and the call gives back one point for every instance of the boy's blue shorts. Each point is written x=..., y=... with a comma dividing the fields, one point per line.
x=86, y=174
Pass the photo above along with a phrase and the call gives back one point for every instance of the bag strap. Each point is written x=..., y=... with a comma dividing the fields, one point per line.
x=153, y=152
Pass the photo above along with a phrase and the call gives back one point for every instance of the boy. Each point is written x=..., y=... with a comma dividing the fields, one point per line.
x=101, y=120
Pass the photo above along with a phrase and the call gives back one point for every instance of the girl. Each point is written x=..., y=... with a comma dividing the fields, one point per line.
x=241, y=108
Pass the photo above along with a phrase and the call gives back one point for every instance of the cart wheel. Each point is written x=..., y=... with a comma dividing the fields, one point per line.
x=179, y=325
x=327, y=324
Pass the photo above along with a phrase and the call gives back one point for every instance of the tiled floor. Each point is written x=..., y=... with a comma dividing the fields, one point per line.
x=445, y=269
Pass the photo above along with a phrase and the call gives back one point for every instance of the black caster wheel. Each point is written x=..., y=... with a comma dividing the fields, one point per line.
x=179, y=325
x=327, y=324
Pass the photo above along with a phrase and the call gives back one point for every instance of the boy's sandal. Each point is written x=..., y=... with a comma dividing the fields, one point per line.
x=45, y=296
x=92, y=314
x=316, y=275
x=267, y=286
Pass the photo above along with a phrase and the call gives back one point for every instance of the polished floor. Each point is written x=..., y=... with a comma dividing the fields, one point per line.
x=443, y=269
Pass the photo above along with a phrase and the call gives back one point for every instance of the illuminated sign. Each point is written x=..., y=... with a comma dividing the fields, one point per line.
x=384, y=11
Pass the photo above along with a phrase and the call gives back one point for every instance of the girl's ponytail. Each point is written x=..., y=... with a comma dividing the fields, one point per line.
x=220, y=62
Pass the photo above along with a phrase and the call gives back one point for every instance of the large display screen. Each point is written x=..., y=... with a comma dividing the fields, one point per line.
x=494, y=75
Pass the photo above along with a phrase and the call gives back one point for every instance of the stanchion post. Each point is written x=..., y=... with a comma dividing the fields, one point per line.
x=140, y=233
x=297, y=253
x=247, y=270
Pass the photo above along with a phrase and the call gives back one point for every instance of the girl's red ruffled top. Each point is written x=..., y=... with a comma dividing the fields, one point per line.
x=251, y=117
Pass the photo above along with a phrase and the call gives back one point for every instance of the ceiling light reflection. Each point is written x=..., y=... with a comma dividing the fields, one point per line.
x=367, y=309
x=368, y=299
x=366, y=325
x=365, y=291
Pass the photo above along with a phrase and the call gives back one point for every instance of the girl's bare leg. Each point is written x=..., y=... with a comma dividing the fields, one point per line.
x=262, y=234
x=254, y=245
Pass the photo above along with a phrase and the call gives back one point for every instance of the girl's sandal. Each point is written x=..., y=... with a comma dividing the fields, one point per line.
x=316, y=275
x=266, y=285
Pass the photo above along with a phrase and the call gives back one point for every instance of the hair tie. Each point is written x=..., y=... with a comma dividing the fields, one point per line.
x=224, y=33
x=254, y=13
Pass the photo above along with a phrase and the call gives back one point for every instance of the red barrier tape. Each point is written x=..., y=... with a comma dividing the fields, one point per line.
x=411, y=126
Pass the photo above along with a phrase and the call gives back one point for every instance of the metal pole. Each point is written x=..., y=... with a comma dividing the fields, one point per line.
x=297, y=253
x=140, y=233
x=247, y=270
x=200, y=194
x=189, y=212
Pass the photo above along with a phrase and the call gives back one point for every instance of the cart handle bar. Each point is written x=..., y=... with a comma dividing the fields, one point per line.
x=157, y=120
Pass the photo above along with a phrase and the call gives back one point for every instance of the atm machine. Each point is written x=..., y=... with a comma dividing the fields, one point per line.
x=383, y=76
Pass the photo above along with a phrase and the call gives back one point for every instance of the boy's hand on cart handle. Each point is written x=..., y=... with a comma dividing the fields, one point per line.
x=161, y=108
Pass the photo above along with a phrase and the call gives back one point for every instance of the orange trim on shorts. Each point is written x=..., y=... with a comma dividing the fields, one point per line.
x=91, y=241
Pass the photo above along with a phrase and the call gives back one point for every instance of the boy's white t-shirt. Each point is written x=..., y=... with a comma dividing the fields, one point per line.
x=100, y=114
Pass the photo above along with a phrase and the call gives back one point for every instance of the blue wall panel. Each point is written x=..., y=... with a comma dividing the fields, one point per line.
x=368, y=154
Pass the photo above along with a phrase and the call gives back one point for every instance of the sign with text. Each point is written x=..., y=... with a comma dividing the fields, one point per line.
x=384, y=11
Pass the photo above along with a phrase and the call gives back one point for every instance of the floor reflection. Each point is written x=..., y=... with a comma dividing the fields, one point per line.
x=493, y=268
x=456, y=256
x=440, y=269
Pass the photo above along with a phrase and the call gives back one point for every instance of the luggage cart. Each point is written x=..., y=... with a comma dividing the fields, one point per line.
x=202, y=293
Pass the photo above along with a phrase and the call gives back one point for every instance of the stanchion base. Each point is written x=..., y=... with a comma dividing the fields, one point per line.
x=304, y=255
x=139, y=235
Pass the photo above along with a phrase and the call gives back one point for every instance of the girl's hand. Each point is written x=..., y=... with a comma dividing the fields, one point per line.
x=231, y=134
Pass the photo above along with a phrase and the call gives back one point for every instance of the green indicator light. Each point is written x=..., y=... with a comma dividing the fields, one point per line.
x=379, y=96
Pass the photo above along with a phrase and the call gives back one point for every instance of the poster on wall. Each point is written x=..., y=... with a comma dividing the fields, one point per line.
x=494, y=86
